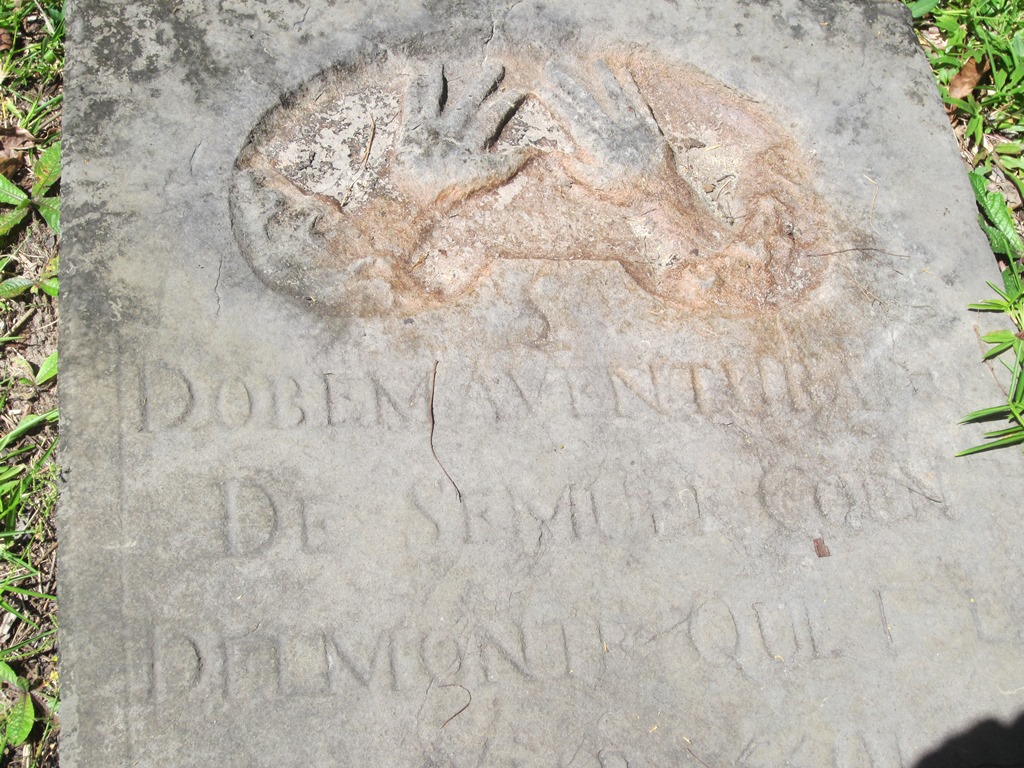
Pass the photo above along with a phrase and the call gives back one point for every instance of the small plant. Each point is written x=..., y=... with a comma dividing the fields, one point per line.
x=31, y=64
x=977, y=51
x=46, y=281
x=46, y=172
x=18, y=713
x=997, y=223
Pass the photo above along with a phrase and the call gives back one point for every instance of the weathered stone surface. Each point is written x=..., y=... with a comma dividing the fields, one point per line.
x=468, y=384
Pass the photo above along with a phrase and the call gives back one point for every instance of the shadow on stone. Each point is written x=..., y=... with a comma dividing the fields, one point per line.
x=989, y=744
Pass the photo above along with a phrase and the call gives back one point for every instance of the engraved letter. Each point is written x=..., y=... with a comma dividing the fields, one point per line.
x=251, y=517
x=168, y=398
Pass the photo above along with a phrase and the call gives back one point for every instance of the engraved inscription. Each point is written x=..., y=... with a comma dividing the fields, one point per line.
x=759, y=640
x=394, y=184
x=176, y=397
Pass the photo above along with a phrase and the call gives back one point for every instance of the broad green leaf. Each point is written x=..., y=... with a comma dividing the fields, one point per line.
x=47, y=170
x=998, y=337
x=47, y=370
x=921, y=7
x=50, y=286
x=948, y=24
x=14, y=286
x=7, y=674
x=1011, y=280
x=10, y=193
x=10, y=219
x=995, y=208
x=979, y=184
x=1017, y=46
x=997, y=242
x=49, y=209
x=20, y=719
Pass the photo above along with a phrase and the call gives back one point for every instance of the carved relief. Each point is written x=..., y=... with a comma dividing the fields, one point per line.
x=396, y=185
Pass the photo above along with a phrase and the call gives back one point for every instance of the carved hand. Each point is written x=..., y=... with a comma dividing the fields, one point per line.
x=622, y=141
x=444, y=151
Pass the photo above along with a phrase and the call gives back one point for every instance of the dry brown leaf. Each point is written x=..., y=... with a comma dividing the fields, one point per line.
x=10, y=162
x=6, y=41
x=14, y=142
x=13, y=137
x=967, y=79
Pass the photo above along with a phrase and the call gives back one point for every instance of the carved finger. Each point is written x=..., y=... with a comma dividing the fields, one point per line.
x=425, y=96
x=491, y=121
x=579, y=108
x=507, y=165
x=463, y=112
x=613, y=89
x=639, y=103
x=624, y=95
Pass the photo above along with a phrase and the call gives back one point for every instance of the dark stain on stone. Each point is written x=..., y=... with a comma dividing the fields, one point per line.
x=200, y=63
x=181, y=41
x=97, y=113
x=914, y=95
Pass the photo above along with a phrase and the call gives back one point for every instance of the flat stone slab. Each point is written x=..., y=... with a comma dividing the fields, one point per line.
x=521, y=384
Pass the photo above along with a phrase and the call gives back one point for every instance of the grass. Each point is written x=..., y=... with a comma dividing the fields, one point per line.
x=31, y=70
x=976, y=49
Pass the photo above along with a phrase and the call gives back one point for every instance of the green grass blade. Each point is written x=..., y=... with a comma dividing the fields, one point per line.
x=27, y=424
x=30, y=643
x=997, y=350
x=1001, y=433
x=987, y=414
x=11, y=609
x=28, y=593
x=1005, y=442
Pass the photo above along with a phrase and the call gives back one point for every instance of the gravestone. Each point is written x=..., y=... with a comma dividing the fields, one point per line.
x=492, y=384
